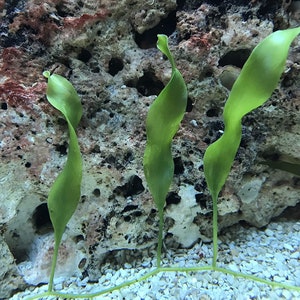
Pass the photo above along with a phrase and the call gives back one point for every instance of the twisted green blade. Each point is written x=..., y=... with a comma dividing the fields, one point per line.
x=163, y=120
x=255, y=84
x=64, y=194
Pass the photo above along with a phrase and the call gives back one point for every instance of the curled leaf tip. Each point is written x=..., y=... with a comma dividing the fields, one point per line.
x=46, y=74
x=162, y=45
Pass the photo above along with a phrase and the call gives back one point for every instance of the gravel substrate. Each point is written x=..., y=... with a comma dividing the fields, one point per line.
x=272, y=254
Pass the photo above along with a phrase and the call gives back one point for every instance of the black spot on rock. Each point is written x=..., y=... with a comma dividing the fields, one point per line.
x=178, y=166
x=84, y=55
x=129, y=208
x=133, y=186
x=115, y=65
x=201, y=199
x=173, y=198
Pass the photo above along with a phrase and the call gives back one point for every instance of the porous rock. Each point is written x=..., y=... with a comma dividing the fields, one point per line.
x=107, y=50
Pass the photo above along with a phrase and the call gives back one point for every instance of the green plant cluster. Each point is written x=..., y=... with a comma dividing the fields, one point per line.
x=258, y=79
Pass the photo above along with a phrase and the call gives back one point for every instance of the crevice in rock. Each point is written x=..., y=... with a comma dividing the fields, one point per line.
x=178, y=165
x=148, y=84
x=189, y=105
x=235, y=58
x=41, y=219
x=84, y=55
x=148, y=38
x=115, y=65
x=291, y=213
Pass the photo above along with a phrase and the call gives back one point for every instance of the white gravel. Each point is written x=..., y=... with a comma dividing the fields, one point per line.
x=272, y=254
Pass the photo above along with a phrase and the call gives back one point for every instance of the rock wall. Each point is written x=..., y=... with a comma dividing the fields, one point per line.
x=107, y=50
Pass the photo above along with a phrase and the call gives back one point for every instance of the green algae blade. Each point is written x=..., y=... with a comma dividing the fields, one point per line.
x=163, y=120
x=255, y=84
x=64, y=194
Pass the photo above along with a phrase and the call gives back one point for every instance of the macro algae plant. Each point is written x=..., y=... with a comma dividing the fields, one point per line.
x=255, y=84
x=64, y=194
x=258, y=79
x=162, y=123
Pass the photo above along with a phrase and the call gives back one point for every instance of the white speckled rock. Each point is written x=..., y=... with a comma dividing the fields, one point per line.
x=184, y=230
x=37, y=269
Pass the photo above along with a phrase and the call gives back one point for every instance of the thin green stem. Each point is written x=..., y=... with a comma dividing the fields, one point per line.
x=215, y=230
x=160, y=237
x=53, y=266
x=258, y=279
x=165, y=269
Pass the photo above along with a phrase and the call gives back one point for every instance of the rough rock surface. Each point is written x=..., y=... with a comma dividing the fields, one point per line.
x=10, y=278
x=107, y=50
